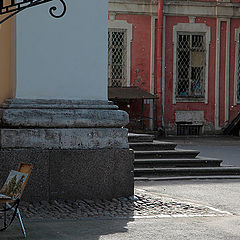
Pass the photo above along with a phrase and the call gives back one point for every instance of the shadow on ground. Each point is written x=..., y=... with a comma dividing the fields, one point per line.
x=85, y=229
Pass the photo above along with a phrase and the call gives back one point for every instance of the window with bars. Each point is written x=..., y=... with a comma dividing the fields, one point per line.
x=238, y=70
x=117, y=57
x=191, y=64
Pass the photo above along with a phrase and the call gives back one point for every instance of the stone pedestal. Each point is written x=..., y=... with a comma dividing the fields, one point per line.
x=73, y=135
x=79, y=148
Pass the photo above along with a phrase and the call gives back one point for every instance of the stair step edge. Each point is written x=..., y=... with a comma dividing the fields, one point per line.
x=189, y=169
x=186, y=178
x=166, y=151
x=177, y=160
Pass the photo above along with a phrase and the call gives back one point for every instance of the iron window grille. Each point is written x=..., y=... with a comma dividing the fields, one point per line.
x=117, y=57
x=191, y=65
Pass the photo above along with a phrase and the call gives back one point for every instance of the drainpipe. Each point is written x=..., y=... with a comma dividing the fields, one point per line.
x=158, y=89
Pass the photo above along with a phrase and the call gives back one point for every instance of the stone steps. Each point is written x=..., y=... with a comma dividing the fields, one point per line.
x=132, y=138
x=197, y=177
x=196, y=162
x=156, y=160
x=151, y=146
x=188, y=171
x=166, y=154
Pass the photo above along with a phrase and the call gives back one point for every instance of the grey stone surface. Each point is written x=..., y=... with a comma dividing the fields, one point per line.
x=139, y=205
x=196, y=117
x=68, y=138
x=91, y=174
x=62, y=124
x=61, y=118
x=73, y=174
x=38, y=184
x=59, y=102
x=79, y=148
x=119, y=227
x=61, y=113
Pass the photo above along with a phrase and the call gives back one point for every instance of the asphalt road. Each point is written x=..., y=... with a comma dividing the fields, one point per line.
x=221, y=194
x=224, y=148
x=143, y=229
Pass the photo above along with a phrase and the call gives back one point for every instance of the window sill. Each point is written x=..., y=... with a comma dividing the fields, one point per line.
x=200, y=100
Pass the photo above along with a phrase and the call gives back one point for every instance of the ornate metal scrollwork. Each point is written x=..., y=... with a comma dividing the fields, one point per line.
x=17, y=6
x=52, y=9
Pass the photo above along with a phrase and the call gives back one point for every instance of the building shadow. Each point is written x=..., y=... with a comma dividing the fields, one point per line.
x=81, y=229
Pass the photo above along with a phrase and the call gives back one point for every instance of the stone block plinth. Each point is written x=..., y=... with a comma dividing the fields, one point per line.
x=79, y=149
x=73, y=174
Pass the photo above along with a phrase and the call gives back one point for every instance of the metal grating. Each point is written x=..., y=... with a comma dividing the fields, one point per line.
x=188, y=129
x=191, y=61
x=117, y=58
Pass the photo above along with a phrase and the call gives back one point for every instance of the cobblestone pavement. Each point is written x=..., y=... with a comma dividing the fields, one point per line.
x=141, y=205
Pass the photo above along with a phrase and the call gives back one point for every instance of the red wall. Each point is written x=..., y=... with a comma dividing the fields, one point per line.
x=141, y=49
x=140, y=59
x=141, y=75
x=170, y=108
x=233, y=109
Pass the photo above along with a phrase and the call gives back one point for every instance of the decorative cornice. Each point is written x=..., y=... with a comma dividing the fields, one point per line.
x=180, y=8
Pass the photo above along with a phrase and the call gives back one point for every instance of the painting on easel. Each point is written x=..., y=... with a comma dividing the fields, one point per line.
x=13, y=186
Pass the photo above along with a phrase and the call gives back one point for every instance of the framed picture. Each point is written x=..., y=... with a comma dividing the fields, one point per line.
x=13, y=186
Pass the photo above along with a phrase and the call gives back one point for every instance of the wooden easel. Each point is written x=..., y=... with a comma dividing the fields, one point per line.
x=10, y=204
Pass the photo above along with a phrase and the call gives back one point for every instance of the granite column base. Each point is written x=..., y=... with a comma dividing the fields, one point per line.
x=73, y=174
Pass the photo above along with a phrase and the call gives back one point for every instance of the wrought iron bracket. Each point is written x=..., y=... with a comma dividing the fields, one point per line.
x=16, y=6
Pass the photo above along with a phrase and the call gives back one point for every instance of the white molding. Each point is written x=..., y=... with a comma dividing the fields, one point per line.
x=152, y=68
x=152, y=64
x=163, y=70
x=192, y=19
x=227, y=70
x=121, y=24
x=133, y=8
x=237, y=42
x=191, y=27
x=217, y=74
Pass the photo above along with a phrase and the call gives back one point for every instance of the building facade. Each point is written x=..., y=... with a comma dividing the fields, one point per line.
x=186, y=53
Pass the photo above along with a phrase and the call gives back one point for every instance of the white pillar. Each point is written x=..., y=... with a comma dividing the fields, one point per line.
x=61, y=120
x=63, y=58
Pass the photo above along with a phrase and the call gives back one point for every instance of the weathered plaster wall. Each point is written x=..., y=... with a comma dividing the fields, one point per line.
x=189, y=106
x=140, y=49
x=140, y=59
x=66, y=57
x=223, y=17
x=5, y=61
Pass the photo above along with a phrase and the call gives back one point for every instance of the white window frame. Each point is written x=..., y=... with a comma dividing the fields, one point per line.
x=191, y=28
x=237, y=42
x=121, y=24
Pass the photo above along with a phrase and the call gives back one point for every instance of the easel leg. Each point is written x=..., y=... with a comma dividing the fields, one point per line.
x=21, y=223
x=5, y=216
x=20, y=220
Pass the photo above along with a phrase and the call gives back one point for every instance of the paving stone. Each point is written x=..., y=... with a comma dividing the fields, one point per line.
x=137, y=205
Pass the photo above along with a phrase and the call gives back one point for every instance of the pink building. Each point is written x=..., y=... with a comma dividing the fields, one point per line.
x=185, y=53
